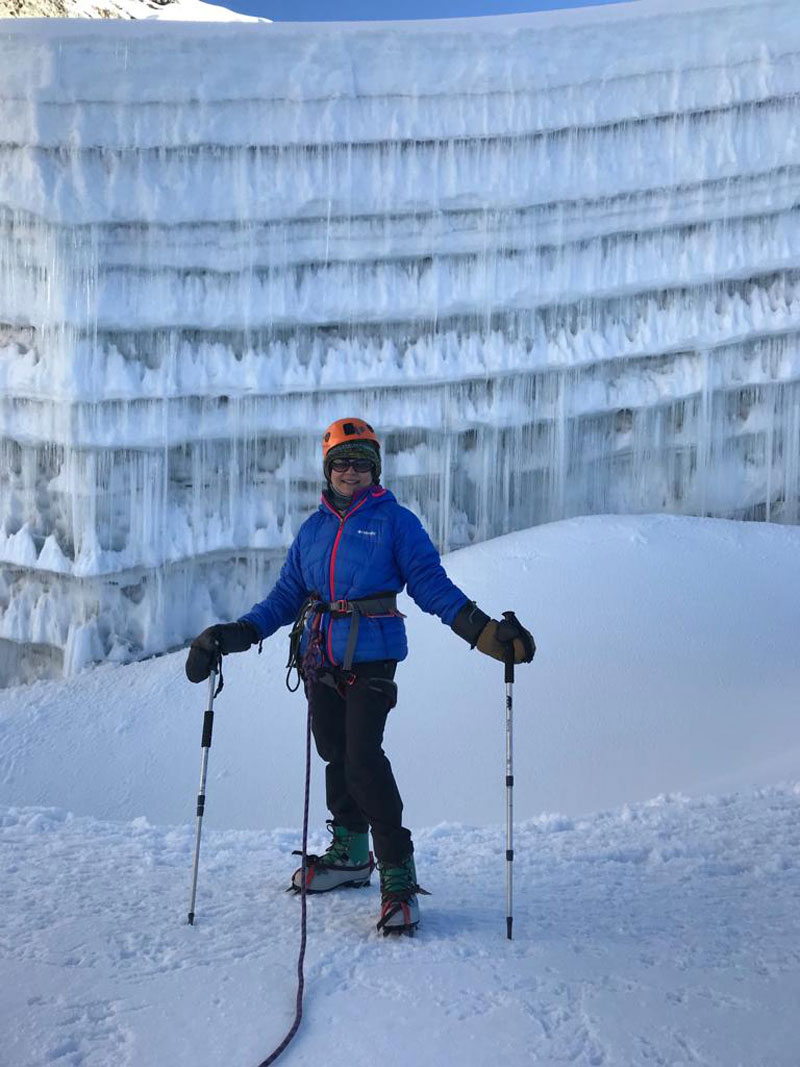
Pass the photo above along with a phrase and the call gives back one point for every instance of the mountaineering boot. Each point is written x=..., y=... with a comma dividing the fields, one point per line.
x=399, y=889
x=347, y=861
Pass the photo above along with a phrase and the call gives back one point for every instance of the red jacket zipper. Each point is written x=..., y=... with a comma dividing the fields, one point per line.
x=342, y=520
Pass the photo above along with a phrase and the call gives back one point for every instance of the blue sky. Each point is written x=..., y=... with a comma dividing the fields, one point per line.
x=335, y=10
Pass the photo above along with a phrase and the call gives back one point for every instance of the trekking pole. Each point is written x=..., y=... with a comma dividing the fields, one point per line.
x=509, y=662
x=208, y=726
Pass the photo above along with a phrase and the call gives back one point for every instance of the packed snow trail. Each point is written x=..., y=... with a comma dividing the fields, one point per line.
x=665, y=933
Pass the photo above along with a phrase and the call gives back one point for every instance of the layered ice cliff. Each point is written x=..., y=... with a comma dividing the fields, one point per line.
x=554, y=259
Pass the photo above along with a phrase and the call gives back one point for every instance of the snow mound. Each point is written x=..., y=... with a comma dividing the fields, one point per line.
x=667, y=662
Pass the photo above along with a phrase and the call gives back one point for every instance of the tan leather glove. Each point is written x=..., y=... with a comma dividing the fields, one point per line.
x=495, y=638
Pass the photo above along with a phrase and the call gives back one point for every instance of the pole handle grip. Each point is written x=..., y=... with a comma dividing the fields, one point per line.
x=208, y=727
x=509, y=663
x=509, y=660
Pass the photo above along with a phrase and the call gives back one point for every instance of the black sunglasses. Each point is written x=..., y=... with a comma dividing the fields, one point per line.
x=360, y=466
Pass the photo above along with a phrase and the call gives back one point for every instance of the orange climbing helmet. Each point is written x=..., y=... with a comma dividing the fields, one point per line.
x=347, y=438
x=347, y=432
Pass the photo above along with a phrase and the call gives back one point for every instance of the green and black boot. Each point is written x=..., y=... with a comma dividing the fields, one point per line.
x=347, y=862
x=399, y=891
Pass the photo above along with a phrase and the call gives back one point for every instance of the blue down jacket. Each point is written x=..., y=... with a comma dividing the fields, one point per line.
x=377, y=547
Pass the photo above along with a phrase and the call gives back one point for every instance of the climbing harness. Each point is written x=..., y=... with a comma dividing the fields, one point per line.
x=312, y=666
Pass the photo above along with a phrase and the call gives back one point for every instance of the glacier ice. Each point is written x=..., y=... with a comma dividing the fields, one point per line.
x=555, y=259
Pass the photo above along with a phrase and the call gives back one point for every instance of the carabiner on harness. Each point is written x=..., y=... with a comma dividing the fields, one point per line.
x=307, y=609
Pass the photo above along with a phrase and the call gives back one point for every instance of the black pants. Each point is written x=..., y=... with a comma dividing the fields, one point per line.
x=359, y=784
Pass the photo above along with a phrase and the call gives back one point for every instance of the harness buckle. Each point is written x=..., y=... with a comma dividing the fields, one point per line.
x=341, y=606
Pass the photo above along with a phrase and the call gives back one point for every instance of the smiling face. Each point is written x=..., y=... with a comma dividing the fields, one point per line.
x=352, y=466
x=350, y=481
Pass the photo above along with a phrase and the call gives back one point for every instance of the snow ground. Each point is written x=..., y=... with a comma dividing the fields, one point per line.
x=653, y=931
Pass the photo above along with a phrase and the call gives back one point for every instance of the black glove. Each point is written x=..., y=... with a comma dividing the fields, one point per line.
x=217, y=640
x=492, y=637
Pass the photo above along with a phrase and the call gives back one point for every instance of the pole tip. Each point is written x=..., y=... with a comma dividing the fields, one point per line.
x=191, y=918
x=509, y=924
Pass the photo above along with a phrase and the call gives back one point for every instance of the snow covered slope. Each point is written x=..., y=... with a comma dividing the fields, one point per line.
x=653, y=631
x=655, y=931
x=554, y=259
x=175, y=10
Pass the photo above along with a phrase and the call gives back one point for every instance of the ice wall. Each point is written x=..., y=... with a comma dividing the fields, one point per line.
x=555, y=259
